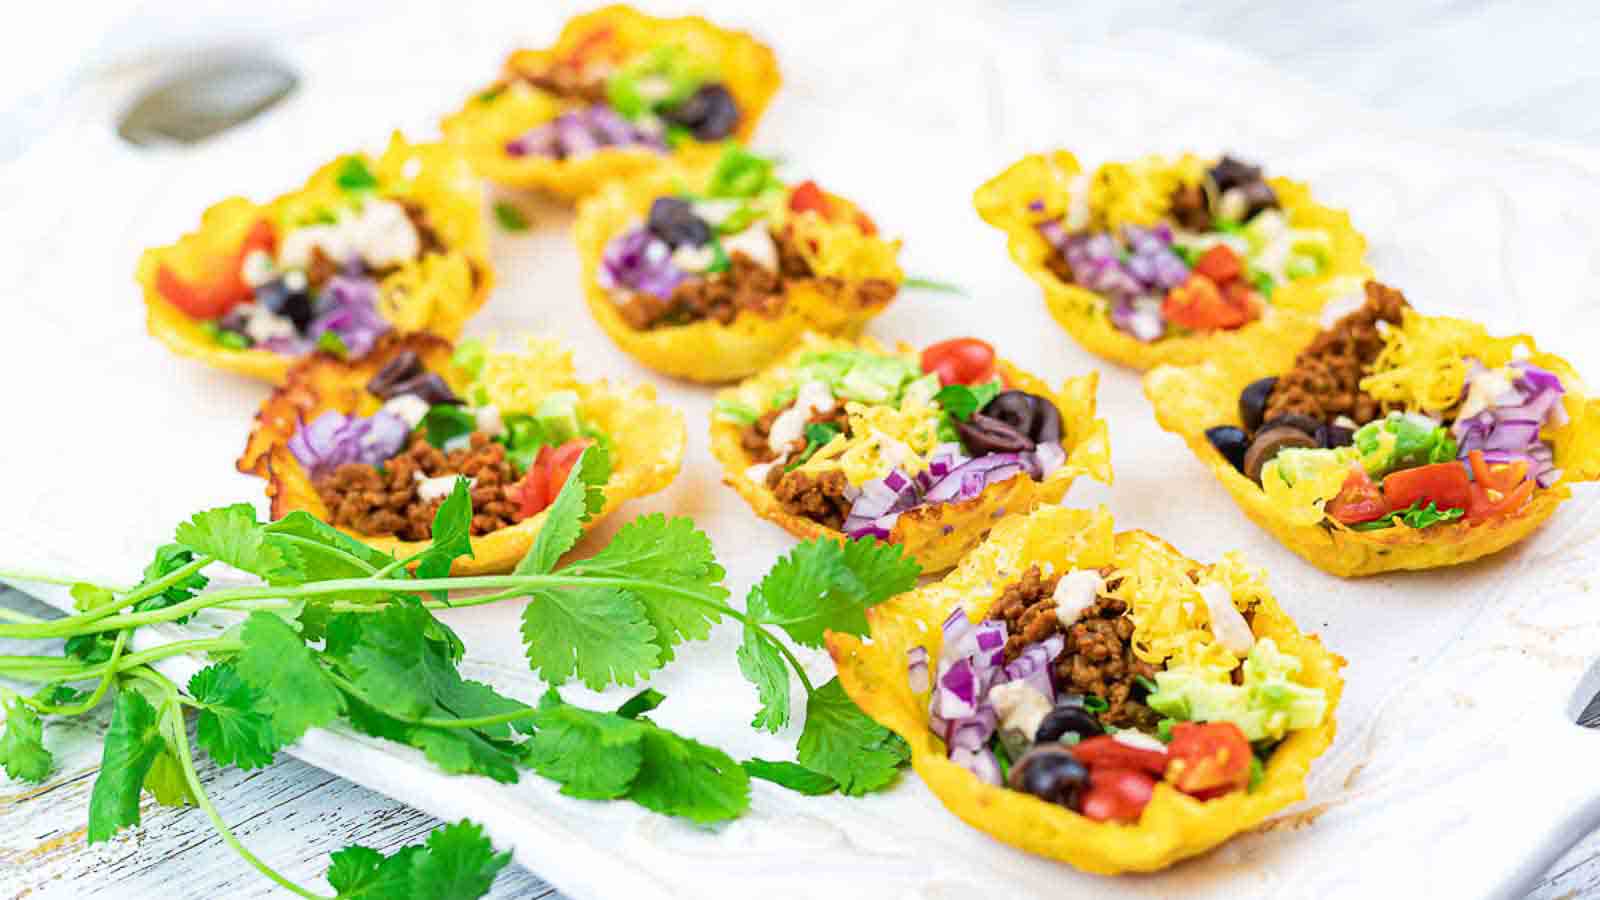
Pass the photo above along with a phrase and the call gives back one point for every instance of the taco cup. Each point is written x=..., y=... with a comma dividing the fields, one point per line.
x=1169, y=260
x=1391, y=439
x=367, y=247
x=1222, y=703
x=711, y=270
x=617, y=93
x=373, y=446
x=842, y=439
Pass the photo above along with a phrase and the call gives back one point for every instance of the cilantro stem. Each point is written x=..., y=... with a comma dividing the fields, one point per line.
x=44, y=578
x=153, y=588
x=57, y=668
x=178, y=736
x=12, y=615
x=100, y=689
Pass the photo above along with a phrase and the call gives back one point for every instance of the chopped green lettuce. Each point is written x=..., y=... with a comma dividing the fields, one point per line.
x=859, y=375
x=1267, y=705
x=1403, y=441
x=558, y=416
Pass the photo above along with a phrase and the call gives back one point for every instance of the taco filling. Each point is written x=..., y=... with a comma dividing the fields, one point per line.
x=1176, y=247
x=734, y=247
x=386, y=473
x=1391, y=419
x=854, y=438
x=313, y=283
x=1077, y=689
x=650, y=98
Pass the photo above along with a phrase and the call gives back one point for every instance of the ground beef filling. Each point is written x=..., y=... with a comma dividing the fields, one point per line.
x=818, y=496
x=370, y=501
x=744, y=285
x=564, y=81
x=756, y=437
x=1098, y=656
x=1189, y=207
x=1325, y=382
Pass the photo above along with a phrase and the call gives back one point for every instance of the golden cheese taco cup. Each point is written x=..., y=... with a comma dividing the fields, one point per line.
x=832, y=272
x=1040, y=188
x=644, y=438
x=434, y=292
x=572, y=74
x=1173, y=825
x=936, y=535
x=1422, y=370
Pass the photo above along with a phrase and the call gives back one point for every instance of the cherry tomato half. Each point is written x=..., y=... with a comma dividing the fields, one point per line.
x=1444, y=484
x=807, y=196
x=559, y=463
x=544, y=479
x=1116, y=795
x=224, y=287
x=1359, y=500
x=1105, y=751
x=1208, y=759
x=960, y=361
x=1220, y=264
x=1199, y=305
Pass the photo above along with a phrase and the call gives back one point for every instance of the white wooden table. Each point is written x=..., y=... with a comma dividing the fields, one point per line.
x=1526, y=69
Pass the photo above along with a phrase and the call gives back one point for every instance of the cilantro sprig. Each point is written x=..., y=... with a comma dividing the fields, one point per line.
x=335, y=631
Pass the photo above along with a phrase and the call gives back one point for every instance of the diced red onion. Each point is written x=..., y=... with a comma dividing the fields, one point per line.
x=580, y=132
x=334, y=439
x=637, y=260
x=917, y=667
x=981, y=763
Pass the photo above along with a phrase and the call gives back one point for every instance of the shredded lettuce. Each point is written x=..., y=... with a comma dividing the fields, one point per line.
x=1414, y=516
x=1268, y=705
x=859, y=375
x=736, y=412
x=657, y=80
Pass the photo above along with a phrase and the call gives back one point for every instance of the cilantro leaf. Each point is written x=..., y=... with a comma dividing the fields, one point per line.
x=452, y=534
x=510, y=217
x=592, y=755
x=231, y=535
x=90, y=648
x=821, y=586
x=685, y=778
x=295, y=691
x=565, y=517
x=641, y=703
x=668, y=552
x=22, y=751
x=818, y=435
x=841, y=742
x=328, y=554
x=458, y=863
x=355, y=176
x=231, y=725
x=87, y=596
x=446, y=421
x=961, y=401
x=166, y=782
x=60, y=695
x=600, y=634
x=793, y=776
x=170, y=558
x=762, y=665
x=131, y=747
x=456, y=751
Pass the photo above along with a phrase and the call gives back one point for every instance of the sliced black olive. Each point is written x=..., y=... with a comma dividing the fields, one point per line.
x=1268, y=442
x=1050, y=772
x=1338, y=436
x=710, y=113
x=429, y=387
x=1293, y=420
x=1231, y=442
x=1231, y=173
x=1253, y=401
x=401, y=366
x=295, y=306
x=1067, y=719
x=1258, y=195
x=982, y=435
x=1030, y=414
x=672, y=219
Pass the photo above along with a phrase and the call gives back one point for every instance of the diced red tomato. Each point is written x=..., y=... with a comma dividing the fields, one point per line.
x=1208, y=759
x=1105, y=751
x=807, y=196
x=1242, y=296
x=1220, y=264
x=544, y=479
x=1444, y=484
x=224, y=287
x=1199, y=305
x=1116, y=795
x=588, y=45
x=1359, y=500
x=1497, y=490
x=960, y=361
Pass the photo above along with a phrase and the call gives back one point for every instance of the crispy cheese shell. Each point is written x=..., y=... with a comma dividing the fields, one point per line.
x=1003, y=201
x=436, y=295
x=647, y=440
x=708, y=351
x=938, y=536
x=1190, y=399
x=1174, y=825
x=483, y=128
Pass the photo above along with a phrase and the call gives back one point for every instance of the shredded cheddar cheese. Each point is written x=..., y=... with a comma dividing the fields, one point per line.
x=840, y=249
x=1139, y=192
x=516, y=382
x=1171, y=622
x=1424, y=363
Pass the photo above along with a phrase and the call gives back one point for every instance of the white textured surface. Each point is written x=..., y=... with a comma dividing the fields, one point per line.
x=1447, y=669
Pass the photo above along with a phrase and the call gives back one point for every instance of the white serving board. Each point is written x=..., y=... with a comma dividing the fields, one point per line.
x=1455, y=677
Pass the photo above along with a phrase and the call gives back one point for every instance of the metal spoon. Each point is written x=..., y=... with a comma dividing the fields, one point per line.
x=206, y=99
